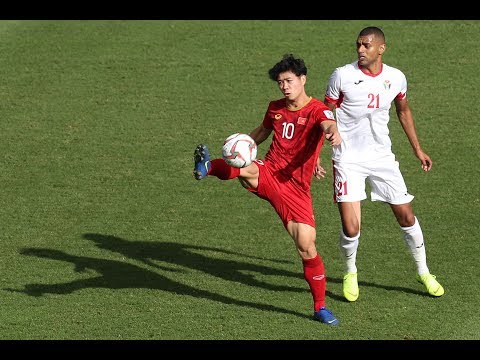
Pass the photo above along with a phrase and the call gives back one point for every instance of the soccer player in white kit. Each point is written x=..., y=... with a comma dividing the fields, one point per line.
x=361, y=94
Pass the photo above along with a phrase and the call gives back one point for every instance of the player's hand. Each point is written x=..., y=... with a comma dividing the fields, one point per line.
x=427, y=164
x=424, y=160
x=334, y=138
x=319, y=172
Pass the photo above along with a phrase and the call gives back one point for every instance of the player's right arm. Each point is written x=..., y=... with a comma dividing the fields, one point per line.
x=260, y=134
x=333, y=90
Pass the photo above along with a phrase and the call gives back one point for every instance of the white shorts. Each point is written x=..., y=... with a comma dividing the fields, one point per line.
x=383, y=175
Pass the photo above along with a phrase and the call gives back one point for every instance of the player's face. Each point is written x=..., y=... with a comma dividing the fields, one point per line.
x=291, y=85
x=369, y=50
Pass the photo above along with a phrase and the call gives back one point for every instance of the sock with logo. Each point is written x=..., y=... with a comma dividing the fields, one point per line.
x=314, y=274
x=222, y=170
x=348, y=250
x=413, y=237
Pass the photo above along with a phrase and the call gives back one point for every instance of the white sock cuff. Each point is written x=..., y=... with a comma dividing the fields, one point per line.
x=415, y=225
x=345, y=237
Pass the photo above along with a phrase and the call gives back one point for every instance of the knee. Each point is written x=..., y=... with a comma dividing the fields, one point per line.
x=351, y=230
x=406, y=219
x=306, y=245
x=306, y=248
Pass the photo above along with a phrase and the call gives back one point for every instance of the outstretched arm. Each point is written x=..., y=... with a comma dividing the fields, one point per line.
x=333, y=136
x=405, y=117
x=260, y=134
x=331, y=132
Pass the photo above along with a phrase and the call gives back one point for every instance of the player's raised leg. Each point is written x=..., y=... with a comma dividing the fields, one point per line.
x=201, y=158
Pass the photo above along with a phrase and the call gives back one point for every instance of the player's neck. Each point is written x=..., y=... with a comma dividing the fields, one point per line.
x=298, y=103
x=373, y=68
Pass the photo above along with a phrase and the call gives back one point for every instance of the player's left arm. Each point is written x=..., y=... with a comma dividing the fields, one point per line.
x=331, y=132
x=333, y=136
x=405, y=117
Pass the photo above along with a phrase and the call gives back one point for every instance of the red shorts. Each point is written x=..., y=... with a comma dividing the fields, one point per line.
x=288, y=198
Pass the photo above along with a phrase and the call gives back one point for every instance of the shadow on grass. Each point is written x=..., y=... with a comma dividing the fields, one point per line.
x=379, y=286
x=113, y=274
x=192, y=257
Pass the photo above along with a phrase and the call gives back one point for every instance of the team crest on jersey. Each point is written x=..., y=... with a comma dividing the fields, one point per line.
x=329, y=114
x=387, y=84
x=278, y=116
x=301, y=120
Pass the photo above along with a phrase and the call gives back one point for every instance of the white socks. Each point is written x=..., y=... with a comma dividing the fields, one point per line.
x=348, y=249
x=413, y=237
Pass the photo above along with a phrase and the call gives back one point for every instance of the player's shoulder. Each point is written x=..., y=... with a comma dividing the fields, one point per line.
x=345, y=70
x=277, y=104
x=348, y=67
x=392, y=70
x=320, y=108
x=318, y=103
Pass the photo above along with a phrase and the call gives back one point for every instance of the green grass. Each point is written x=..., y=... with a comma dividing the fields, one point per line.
x=106, y=235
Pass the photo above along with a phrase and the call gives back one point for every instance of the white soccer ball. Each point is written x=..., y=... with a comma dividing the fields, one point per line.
x=239, y=150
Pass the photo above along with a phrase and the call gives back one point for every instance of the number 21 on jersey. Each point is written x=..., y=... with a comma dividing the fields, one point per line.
x=341, y=188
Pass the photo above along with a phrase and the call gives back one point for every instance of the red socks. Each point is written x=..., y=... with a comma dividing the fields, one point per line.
x=314, y=273
x=222, y=170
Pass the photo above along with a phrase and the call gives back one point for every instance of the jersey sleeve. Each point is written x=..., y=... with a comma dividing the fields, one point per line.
x=403, y=89
x=332, y=93
x=323, y=113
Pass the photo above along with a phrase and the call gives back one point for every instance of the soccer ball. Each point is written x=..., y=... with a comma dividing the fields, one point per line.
x=239, y=150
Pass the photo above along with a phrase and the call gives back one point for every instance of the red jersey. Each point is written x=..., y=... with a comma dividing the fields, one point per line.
x=297, y=139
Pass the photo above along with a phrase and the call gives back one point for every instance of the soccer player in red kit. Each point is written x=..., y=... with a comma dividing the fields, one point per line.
x=299, y=123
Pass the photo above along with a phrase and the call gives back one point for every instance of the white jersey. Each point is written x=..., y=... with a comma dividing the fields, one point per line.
x=363, y=104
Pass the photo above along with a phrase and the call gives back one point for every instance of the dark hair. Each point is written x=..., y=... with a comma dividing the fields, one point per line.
x=288, y=63
x=373, y=30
